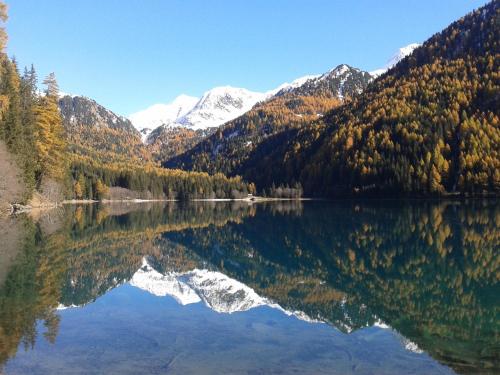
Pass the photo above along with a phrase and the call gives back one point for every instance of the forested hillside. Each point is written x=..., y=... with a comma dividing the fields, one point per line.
x=165, y=142
x=289, y=108
x=95, y=131
x=428, y=126
x=46, y=159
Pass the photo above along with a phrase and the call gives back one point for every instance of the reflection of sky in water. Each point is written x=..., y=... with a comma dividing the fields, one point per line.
x=132, y=331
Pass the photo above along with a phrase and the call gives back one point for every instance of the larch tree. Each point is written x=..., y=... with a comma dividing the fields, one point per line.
x=52, y=85
x=50, y=143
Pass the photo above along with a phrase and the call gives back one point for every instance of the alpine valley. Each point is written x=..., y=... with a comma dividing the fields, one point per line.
x=425, y=124
x=343, y=222
x=225, y=121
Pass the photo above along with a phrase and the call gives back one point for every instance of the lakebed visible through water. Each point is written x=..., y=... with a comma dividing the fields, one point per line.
x=391, y=287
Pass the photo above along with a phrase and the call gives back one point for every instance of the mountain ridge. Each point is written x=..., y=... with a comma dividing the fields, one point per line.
x=397, y=57
x=165, y=114
x=429, y=126
x=290, y=107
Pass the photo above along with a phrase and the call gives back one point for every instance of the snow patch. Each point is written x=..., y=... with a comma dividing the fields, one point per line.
x=220, y=105
x=162, y=114
x=411, y=346
x=286, y=87
x=397, y=57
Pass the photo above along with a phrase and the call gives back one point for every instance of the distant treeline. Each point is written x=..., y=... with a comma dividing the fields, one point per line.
x=92, y=180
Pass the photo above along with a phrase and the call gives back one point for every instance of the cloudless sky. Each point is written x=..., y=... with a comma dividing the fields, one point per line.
x=130, y=54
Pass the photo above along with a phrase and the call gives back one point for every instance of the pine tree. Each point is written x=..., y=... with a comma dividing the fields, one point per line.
x=52, y=86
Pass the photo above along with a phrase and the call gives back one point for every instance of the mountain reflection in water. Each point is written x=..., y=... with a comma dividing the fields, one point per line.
x=426, y=271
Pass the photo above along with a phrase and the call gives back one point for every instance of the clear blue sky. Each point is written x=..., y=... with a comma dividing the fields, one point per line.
x=129, y=54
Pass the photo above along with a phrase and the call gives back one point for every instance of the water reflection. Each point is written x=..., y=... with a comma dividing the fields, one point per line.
x=428, y=270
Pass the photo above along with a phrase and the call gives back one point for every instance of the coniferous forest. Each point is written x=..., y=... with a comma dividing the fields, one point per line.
x=52, y=161
x=226, y=231
x=429, y=126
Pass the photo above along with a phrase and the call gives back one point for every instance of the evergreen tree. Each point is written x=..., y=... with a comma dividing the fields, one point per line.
x=52, y=86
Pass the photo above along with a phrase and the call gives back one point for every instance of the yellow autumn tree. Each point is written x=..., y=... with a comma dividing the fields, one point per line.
x=50, y=143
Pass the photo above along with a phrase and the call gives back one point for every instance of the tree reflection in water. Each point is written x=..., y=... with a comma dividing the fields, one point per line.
x=429, y=270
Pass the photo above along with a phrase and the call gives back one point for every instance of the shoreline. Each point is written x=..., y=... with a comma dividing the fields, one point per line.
x=252, y=199
x=15, y=208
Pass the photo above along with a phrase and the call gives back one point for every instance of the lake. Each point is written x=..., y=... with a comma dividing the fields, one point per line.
x=355, y=287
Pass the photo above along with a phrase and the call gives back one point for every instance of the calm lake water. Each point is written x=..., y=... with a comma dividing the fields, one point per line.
x=388, y=287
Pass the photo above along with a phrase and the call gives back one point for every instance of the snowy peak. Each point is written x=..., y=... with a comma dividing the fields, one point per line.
x=162, y=114
x=397, y=57
x=286, y=87
x=401, y=54
x=337, y=71
x=220, y=105
x=216, y=290
x=216, y=107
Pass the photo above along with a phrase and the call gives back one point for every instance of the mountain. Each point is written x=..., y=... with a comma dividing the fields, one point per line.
x=96, y=132
x=166, y=142
x=80, y=111
x=397, y=57
x=214, y=108
x=219, y=105
x=162, y=114
x=171, y=129
x=429, y=126
x=342, y=82
x=215, y=289
x=289, y=106
x=108, y=160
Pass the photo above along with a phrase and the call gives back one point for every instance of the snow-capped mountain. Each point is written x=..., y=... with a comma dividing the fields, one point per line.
x=216, y=290
x=397, y=57
x=220, y=105
x=223, y=104
x=162, y=114
x=214, y=108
